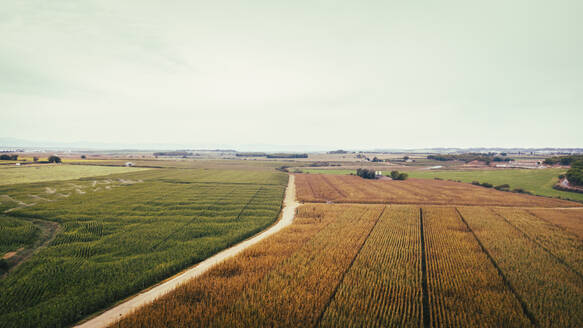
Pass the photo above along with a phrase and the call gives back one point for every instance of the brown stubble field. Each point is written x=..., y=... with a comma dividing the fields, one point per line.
x=321, y=188
x=445, y=261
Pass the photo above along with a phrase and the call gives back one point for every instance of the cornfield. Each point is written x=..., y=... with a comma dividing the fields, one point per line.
x=124, y=239
x=383, y=286
x=368, y=265
x=552, y=293
x=464, y=288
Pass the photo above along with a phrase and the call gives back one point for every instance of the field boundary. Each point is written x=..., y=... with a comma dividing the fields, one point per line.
x=442, y=204
x=507, y=283
x=248, y=202
x=425, y=315
x=348, y=268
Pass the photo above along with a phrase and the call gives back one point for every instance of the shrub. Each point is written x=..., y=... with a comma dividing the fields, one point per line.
x=5, y=157
x=403, y=176
x=396, y=175
x=520, y=191
x=503, y=187
x=486, y=184
x=366, y=173
x=54, y=159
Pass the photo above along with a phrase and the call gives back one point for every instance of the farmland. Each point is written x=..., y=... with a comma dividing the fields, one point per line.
x=352, y=189
x=383, y=266
x=120, y=233
x=379, y=253
x=539, y=182
x=40, y=173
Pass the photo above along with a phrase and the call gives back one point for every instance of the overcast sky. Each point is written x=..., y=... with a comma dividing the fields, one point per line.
x=350, y=74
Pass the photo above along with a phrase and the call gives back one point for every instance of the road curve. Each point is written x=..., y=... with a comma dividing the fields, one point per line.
x=112, y=315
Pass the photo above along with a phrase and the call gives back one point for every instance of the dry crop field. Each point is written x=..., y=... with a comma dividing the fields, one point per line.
x=345, y=265
x=445, y=256
x=321, y=188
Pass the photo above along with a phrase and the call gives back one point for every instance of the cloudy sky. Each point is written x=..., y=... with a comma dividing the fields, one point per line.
x=351, y=74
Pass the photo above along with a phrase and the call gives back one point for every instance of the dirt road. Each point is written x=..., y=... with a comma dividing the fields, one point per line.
x=112, y=315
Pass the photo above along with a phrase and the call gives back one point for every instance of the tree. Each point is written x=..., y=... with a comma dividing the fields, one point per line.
x=5, y=157
x=54, y=159
x=395, y=175
x=83, y=157
x=35, y=159
x=366, y=173
x=405, y=158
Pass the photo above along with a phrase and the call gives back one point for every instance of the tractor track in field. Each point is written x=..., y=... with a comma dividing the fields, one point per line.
x=115, y=313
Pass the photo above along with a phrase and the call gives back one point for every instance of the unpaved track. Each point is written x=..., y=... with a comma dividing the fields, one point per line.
x=117, y=312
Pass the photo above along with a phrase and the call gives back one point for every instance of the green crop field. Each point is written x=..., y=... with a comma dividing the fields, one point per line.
x=16, y=233
x=47, y=172
x=121, y=233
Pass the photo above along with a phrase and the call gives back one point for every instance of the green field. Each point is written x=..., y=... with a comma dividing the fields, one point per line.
x=539, y=182
x=47, y=172
x=124, y=232
x=16, y=233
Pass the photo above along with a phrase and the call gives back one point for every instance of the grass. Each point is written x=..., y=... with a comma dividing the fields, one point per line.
x=122, y=233
x=47, y=172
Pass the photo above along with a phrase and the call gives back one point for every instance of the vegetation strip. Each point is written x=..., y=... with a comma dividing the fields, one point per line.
x=523, y=305
x=544, y=248
x=319, y=320
x=425, y=294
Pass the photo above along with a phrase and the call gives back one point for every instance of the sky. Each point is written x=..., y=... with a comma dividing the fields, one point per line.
x=331, y=74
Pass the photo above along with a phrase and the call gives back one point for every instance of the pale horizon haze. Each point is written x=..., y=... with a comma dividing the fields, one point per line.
x=336, y=74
